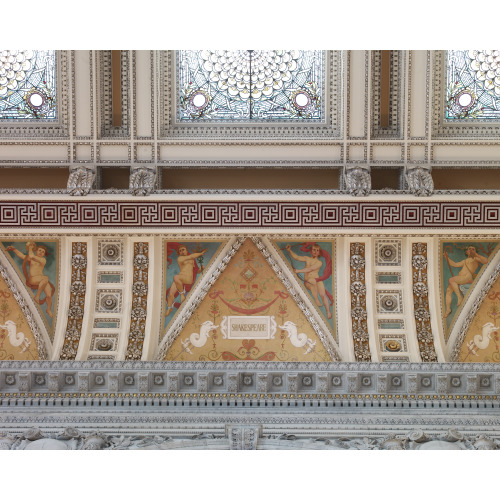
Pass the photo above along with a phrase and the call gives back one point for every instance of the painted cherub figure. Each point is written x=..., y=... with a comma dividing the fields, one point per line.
x=465, y=276
x=312, y=280
x=185, y=278
x=33, y=267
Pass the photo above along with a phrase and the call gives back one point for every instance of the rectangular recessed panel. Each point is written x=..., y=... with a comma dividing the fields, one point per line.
x=469, y=152
x=172, y=153
x=388, y=277
x=143, y=92
x=418, y=98
x=250, y=179
x=34, y=178
x=389, y=359
x=387, y=153
x=115, y=177
x=102, y=324
x=396, y=324
x=458, y=178
x=113, y=153
x=418, y=153
x=34, y=152
x=84, y=152
x=110, y=278
x=83, y=92
x=357, y=94
x=106, y=323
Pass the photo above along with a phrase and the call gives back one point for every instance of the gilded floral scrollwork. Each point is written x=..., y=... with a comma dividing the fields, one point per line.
x=421, y=303
x=139, y=301
x=358, y=303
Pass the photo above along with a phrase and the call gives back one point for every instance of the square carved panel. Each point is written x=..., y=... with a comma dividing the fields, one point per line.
x=104, y=342
x=108, y=301
x=389, y=301
x=110, y=253
x=392, y=343
x=388, y=252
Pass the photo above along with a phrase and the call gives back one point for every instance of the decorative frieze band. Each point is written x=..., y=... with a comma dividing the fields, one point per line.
x=246, y=437
x=245, y=214
x=76, y=301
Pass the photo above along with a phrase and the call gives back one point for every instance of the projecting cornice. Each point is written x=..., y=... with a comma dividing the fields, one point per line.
x=260, y=384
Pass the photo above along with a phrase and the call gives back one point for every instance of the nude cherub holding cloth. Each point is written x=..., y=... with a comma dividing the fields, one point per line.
x=33, y=267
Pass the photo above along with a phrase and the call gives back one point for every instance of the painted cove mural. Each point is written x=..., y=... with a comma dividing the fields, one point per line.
x=186, y=263
x=312, y=264
x=461, y=263
x=37, y=264
x=16, y=339
x=248, y=315
x=481, y=343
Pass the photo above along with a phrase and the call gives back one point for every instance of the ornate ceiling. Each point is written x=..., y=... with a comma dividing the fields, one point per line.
x=105, y=266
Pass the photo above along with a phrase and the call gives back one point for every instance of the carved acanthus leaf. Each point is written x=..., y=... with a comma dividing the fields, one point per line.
x=419, y=180
x=358, y=180
x=142, y=179
x=81, y=179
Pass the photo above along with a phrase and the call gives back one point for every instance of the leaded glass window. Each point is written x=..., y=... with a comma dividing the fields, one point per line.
x=473, y=85
x=28, y=84
x=258, y=85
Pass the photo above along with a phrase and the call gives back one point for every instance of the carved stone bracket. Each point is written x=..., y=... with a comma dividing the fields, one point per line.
x=243, y=437
x=419, y=180
x=143, y=179
x=357, y=180
x=81, y=179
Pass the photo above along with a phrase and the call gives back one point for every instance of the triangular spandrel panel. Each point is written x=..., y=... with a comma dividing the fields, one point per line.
x=17, y=341
x=248, y=315
x=482, y=341
x=312, y=264
x=461, y=263
x=185, y=262
x=37, y=264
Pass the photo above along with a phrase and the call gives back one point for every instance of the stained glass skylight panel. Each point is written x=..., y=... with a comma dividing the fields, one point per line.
x=473, y=85
x=28, y=84
x=258, y=85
